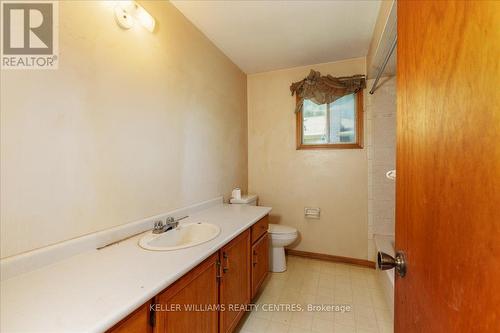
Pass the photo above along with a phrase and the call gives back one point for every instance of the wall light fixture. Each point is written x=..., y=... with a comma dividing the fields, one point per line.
x=128, y=11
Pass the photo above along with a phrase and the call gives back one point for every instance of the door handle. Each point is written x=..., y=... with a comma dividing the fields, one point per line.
x=386, y=262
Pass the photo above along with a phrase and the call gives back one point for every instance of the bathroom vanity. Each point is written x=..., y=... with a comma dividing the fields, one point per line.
x=83, y=289
x=211, y=297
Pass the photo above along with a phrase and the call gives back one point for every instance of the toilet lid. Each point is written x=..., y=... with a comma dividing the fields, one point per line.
x=280, y=229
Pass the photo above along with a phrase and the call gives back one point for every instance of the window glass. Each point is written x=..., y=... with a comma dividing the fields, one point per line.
x=333, y=123
x=314, y=123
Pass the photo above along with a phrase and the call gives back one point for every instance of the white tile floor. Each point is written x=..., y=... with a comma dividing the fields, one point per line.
x=309, y=281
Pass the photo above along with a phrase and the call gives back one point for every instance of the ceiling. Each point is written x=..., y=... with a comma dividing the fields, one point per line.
x=260, y=36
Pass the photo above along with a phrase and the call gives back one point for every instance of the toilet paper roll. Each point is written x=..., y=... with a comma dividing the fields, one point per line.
x=236, y=194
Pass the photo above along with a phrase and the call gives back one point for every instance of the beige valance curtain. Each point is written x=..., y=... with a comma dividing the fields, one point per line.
x=325, y=89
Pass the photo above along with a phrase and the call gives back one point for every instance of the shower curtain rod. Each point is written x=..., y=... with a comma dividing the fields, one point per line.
x=386, y=60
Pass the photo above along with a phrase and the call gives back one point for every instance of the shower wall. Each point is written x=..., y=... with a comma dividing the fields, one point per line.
x=380, y=111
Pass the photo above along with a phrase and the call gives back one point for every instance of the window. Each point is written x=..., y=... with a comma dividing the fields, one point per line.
x=333, y=125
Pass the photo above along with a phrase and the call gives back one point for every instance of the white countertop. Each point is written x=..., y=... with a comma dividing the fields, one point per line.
x=92, y=291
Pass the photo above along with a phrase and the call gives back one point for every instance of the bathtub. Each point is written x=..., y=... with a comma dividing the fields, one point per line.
x=385, y=243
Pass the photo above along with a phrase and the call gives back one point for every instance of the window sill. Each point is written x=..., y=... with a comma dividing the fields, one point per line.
x=330, y=146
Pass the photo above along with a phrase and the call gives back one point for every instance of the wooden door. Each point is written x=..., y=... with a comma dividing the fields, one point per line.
x=234, y=287
x=448, y=166
x=260, y=262
x=189, y=305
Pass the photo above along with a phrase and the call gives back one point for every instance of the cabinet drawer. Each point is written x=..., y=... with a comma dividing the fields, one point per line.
x=260, y=228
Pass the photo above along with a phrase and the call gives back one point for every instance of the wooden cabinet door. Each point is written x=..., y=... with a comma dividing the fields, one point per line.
x=235, y=280
x=137, y=321
x=260, y=262
x=189, y=305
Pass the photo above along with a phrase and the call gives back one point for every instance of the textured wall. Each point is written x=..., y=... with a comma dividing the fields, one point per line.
x=132, y=124
x=289, y=180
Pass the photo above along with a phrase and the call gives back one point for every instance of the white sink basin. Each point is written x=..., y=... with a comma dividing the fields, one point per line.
x=185, y=235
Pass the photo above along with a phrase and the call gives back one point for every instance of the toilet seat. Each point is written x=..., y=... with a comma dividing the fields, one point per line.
x=291, y=235
x=278, y=229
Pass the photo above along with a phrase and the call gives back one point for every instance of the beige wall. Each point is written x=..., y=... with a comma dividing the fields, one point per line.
x=289, y=180
x=132, y=124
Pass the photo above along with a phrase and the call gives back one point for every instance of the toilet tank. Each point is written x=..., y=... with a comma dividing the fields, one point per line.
x=249, y=199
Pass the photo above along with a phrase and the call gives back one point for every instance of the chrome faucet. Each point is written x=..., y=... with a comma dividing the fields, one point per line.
x=171, y=223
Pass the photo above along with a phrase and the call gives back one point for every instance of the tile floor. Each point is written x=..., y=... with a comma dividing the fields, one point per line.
x=309, y=281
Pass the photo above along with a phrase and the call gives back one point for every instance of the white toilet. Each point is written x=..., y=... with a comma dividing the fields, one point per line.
x=280, y=235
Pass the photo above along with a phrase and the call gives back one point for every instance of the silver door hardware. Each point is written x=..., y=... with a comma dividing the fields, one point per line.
x=386, y=261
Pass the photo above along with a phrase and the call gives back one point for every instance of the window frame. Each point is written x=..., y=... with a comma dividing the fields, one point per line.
x=359, y=130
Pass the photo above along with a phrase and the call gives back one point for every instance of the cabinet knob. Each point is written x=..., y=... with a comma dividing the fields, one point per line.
x=217, y=265
x=255, y=261
x=226, y=258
